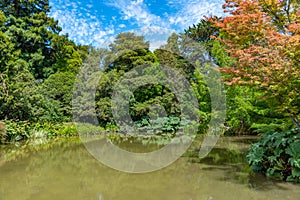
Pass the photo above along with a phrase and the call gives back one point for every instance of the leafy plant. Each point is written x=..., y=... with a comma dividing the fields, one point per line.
x=88, y=129
x=20, y=130
x=265, y=44
x=17, y=130
x=277, y=155
x=161, y=124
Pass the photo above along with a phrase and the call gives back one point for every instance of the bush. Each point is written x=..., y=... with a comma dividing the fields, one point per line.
x=12, y=131
x=88, y=129
x=16, y=130
x=50, y=129
x=277, y=155
x=161, y=125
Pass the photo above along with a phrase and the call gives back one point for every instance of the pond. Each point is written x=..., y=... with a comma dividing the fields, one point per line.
x=65, y=170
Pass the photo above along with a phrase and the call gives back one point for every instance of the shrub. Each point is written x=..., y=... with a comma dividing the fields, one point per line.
x=17, y=130
x=162, y=124
x=88, y=129
x=12, y=131
x=277, y=155
x=66, y=129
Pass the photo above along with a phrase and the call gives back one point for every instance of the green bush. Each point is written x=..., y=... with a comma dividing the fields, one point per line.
x=88, y=129
x=65, y=129
x=16, y=130
x=161, y=124
x=277, y=155
x=13, y=131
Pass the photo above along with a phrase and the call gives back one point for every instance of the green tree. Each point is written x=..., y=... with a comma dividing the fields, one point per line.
x=16, y=82
x=127, y=52
x=202, y=31
x=85, y=86
x=37, y=66
x=58, y=87
x=171, y=55
x=67, y=57
x=31, y=31
x=189, y=58
x=263, y=37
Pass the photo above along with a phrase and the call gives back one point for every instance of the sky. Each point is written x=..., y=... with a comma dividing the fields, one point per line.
x=96, y=22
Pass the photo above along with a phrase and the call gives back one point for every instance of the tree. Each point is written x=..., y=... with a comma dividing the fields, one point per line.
x=189, y=57
x=16, y=82
x=37, y=66
x=66, y=57
x=203, y=31
x=85, y=86
x=171, y=55
x=172, y=44
x=247, y=110
x=124, y=54
x=264, y=38
x=128, y=51
x=31, y=31
x=58, y=87
x=23, y=8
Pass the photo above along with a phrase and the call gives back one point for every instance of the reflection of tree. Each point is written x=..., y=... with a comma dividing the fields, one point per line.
x=67, y=171
x=226, y=156
x=229, y=158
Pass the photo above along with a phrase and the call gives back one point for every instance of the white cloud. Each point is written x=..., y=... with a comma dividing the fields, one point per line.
x=191, y=11
x=184, y=14
x=187, y=12
x=84, y=25
x=122, y=26
x=157, y=36
x=89, y=5
x=81, y=24
x=138, y=11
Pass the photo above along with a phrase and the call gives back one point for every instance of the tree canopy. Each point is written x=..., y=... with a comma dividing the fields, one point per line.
x=31, y=52
x=263, y=37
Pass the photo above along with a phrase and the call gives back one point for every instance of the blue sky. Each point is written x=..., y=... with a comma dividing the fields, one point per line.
x=97, y=21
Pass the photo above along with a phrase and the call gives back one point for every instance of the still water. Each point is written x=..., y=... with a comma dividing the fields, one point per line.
x=66, y=171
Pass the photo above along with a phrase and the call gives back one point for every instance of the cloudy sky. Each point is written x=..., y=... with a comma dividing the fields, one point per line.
x=95, y=21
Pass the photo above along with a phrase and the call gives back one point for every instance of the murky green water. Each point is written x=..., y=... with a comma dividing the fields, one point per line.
x=67, y=171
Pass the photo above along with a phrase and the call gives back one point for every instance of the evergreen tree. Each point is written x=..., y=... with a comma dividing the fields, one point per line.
x=31, y=31
x=127, y=52
x=37, y=65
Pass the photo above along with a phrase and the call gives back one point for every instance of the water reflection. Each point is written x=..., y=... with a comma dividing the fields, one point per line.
x=65, y=170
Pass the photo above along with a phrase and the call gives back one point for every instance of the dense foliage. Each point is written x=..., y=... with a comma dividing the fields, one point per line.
x=277, y=155
x=256, y=45
x=263, y=37
x=15, y=131
x=128, y=56
x=37, y=64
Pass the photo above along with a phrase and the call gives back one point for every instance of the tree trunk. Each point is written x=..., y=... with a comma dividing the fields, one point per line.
x=295, y=120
